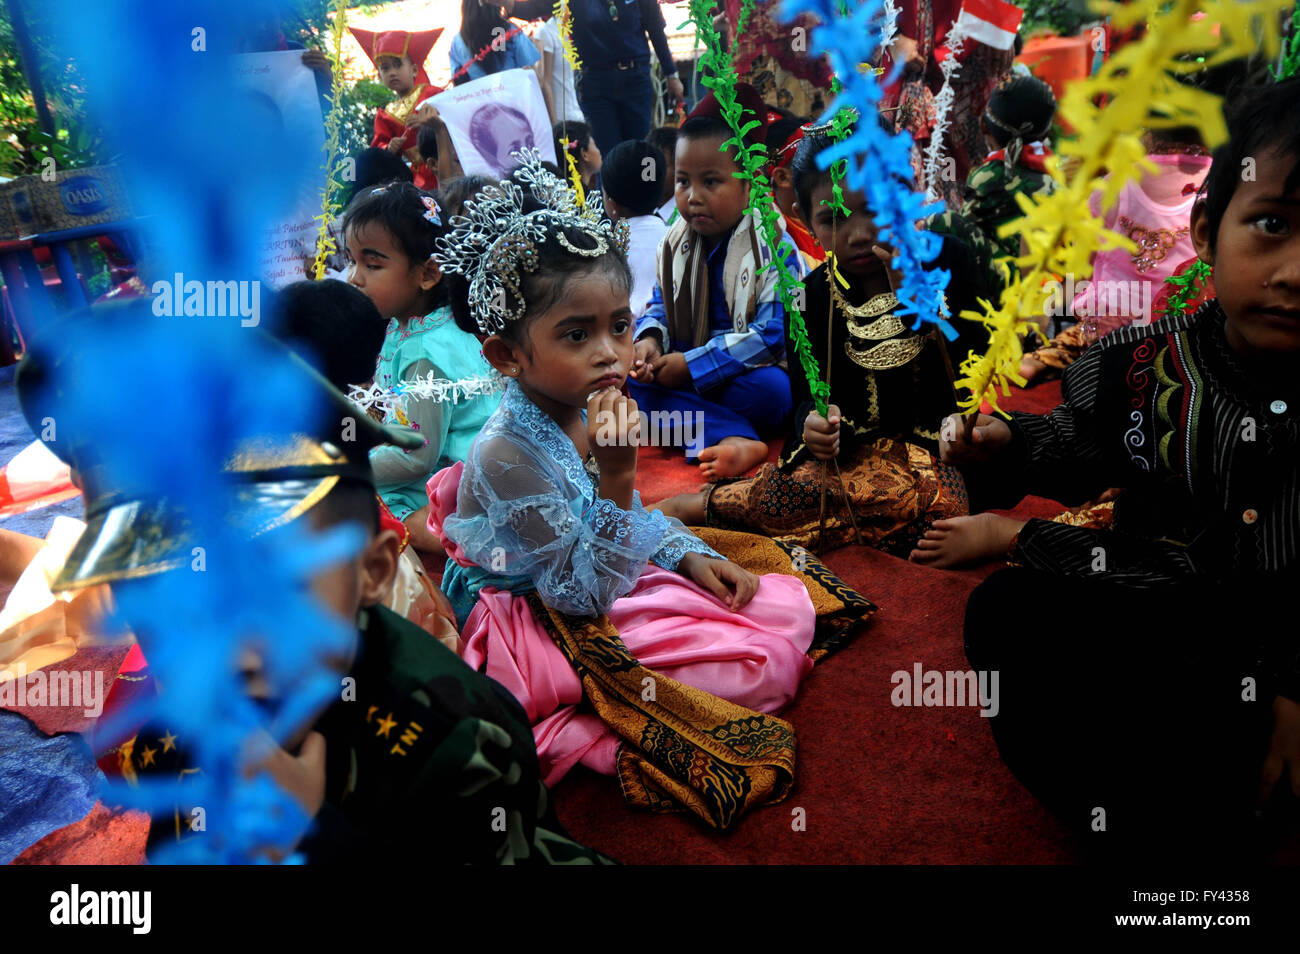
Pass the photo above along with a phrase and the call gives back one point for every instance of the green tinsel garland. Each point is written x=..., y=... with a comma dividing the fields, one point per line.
x=841, y=127
x=720, y=77
x=1196, y=275
x=1290, y=63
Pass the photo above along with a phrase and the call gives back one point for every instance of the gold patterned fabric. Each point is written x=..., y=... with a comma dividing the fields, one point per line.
x=1065, y=349
x=1096, y=514
x=897, y=491
x=686, y=749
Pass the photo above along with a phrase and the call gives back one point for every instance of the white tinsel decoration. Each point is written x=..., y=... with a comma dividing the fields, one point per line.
x=441, y=390
x=942, y=107
x=890, y=26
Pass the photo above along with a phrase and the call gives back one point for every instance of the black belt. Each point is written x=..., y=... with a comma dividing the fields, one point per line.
x=621, y=65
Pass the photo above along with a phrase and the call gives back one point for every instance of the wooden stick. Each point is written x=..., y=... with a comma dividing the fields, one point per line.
x=839, y=476
x=821, y=520
x=830, y=337
x=952, y=376
x=848, y=505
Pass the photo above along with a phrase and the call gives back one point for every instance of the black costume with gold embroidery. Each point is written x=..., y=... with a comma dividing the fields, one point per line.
x=906, y=401
x=893, y=387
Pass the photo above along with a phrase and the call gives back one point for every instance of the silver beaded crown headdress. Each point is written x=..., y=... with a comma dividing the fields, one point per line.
x=496, y=243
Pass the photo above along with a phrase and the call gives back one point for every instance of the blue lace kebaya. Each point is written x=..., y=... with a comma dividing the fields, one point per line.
x=529, y=514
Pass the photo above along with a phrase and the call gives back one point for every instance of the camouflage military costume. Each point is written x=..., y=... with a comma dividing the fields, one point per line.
x=432, y=758
x=991, y=202
x=424, y=758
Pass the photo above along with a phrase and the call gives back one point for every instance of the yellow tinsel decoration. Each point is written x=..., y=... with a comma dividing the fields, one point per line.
x=1059, y=229
x=564, y=23
x=333, y=123
x=575, y=177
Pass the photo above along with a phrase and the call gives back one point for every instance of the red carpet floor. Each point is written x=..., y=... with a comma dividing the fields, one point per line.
x=874, y=783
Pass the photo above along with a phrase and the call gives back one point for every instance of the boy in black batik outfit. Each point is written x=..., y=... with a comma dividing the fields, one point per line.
x=1160, y=702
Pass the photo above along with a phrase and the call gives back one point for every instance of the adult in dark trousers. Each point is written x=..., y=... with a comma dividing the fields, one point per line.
x=615, y=90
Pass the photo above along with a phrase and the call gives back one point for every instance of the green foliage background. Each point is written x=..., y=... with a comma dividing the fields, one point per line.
x=1065, y=17
x=23, y=144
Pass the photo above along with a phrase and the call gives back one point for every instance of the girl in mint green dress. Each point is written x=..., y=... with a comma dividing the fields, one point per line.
x=442, y=385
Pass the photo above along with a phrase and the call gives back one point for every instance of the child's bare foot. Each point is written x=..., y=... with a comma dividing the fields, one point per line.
x=688, y=508
x=731, y=457
x=960, y=540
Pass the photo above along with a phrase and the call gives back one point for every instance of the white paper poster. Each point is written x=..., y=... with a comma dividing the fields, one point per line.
x=285, y=91
x=491, y=117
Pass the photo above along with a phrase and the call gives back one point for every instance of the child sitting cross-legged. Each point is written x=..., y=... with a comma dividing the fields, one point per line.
x=712, y=343
x=544, y=508
x=890, y=383
x=1196, y=419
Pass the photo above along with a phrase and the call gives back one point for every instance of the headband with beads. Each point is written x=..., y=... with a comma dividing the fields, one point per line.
x=496, y=242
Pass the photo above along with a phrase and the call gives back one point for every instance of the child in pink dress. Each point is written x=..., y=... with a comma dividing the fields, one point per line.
x=1154, y=211
x=545, y=500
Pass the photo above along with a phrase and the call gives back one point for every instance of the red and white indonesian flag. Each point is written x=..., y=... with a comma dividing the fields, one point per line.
x=990, y=22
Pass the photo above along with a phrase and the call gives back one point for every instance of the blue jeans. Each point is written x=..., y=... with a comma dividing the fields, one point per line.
x=753, y=405
x=617, y=103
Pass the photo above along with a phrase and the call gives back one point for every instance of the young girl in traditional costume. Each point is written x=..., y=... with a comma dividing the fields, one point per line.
x=893, y=385
x=390, y=233
x=545, y=507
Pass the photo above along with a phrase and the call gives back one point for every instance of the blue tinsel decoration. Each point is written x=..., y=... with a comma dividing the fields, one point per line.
x=879, y=162
x=167, y=406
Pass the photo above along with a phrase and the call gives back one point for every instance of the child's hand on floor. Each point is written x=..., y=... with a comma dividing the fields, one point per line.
x=822, y=434
x=647, y=350
x=989, y=436
x=1283, y=749
x=613, y=432
x=670, y=370
x=720, y=577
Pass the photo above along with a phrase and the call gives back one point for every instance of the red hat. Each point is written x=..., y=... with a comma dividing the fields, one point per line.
x=752, y=108
x=399, y=43
x=785, y=155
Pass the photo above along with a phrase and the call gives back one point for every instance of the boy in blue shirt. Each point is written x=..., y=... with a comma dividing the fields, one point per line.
x=712, y=342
